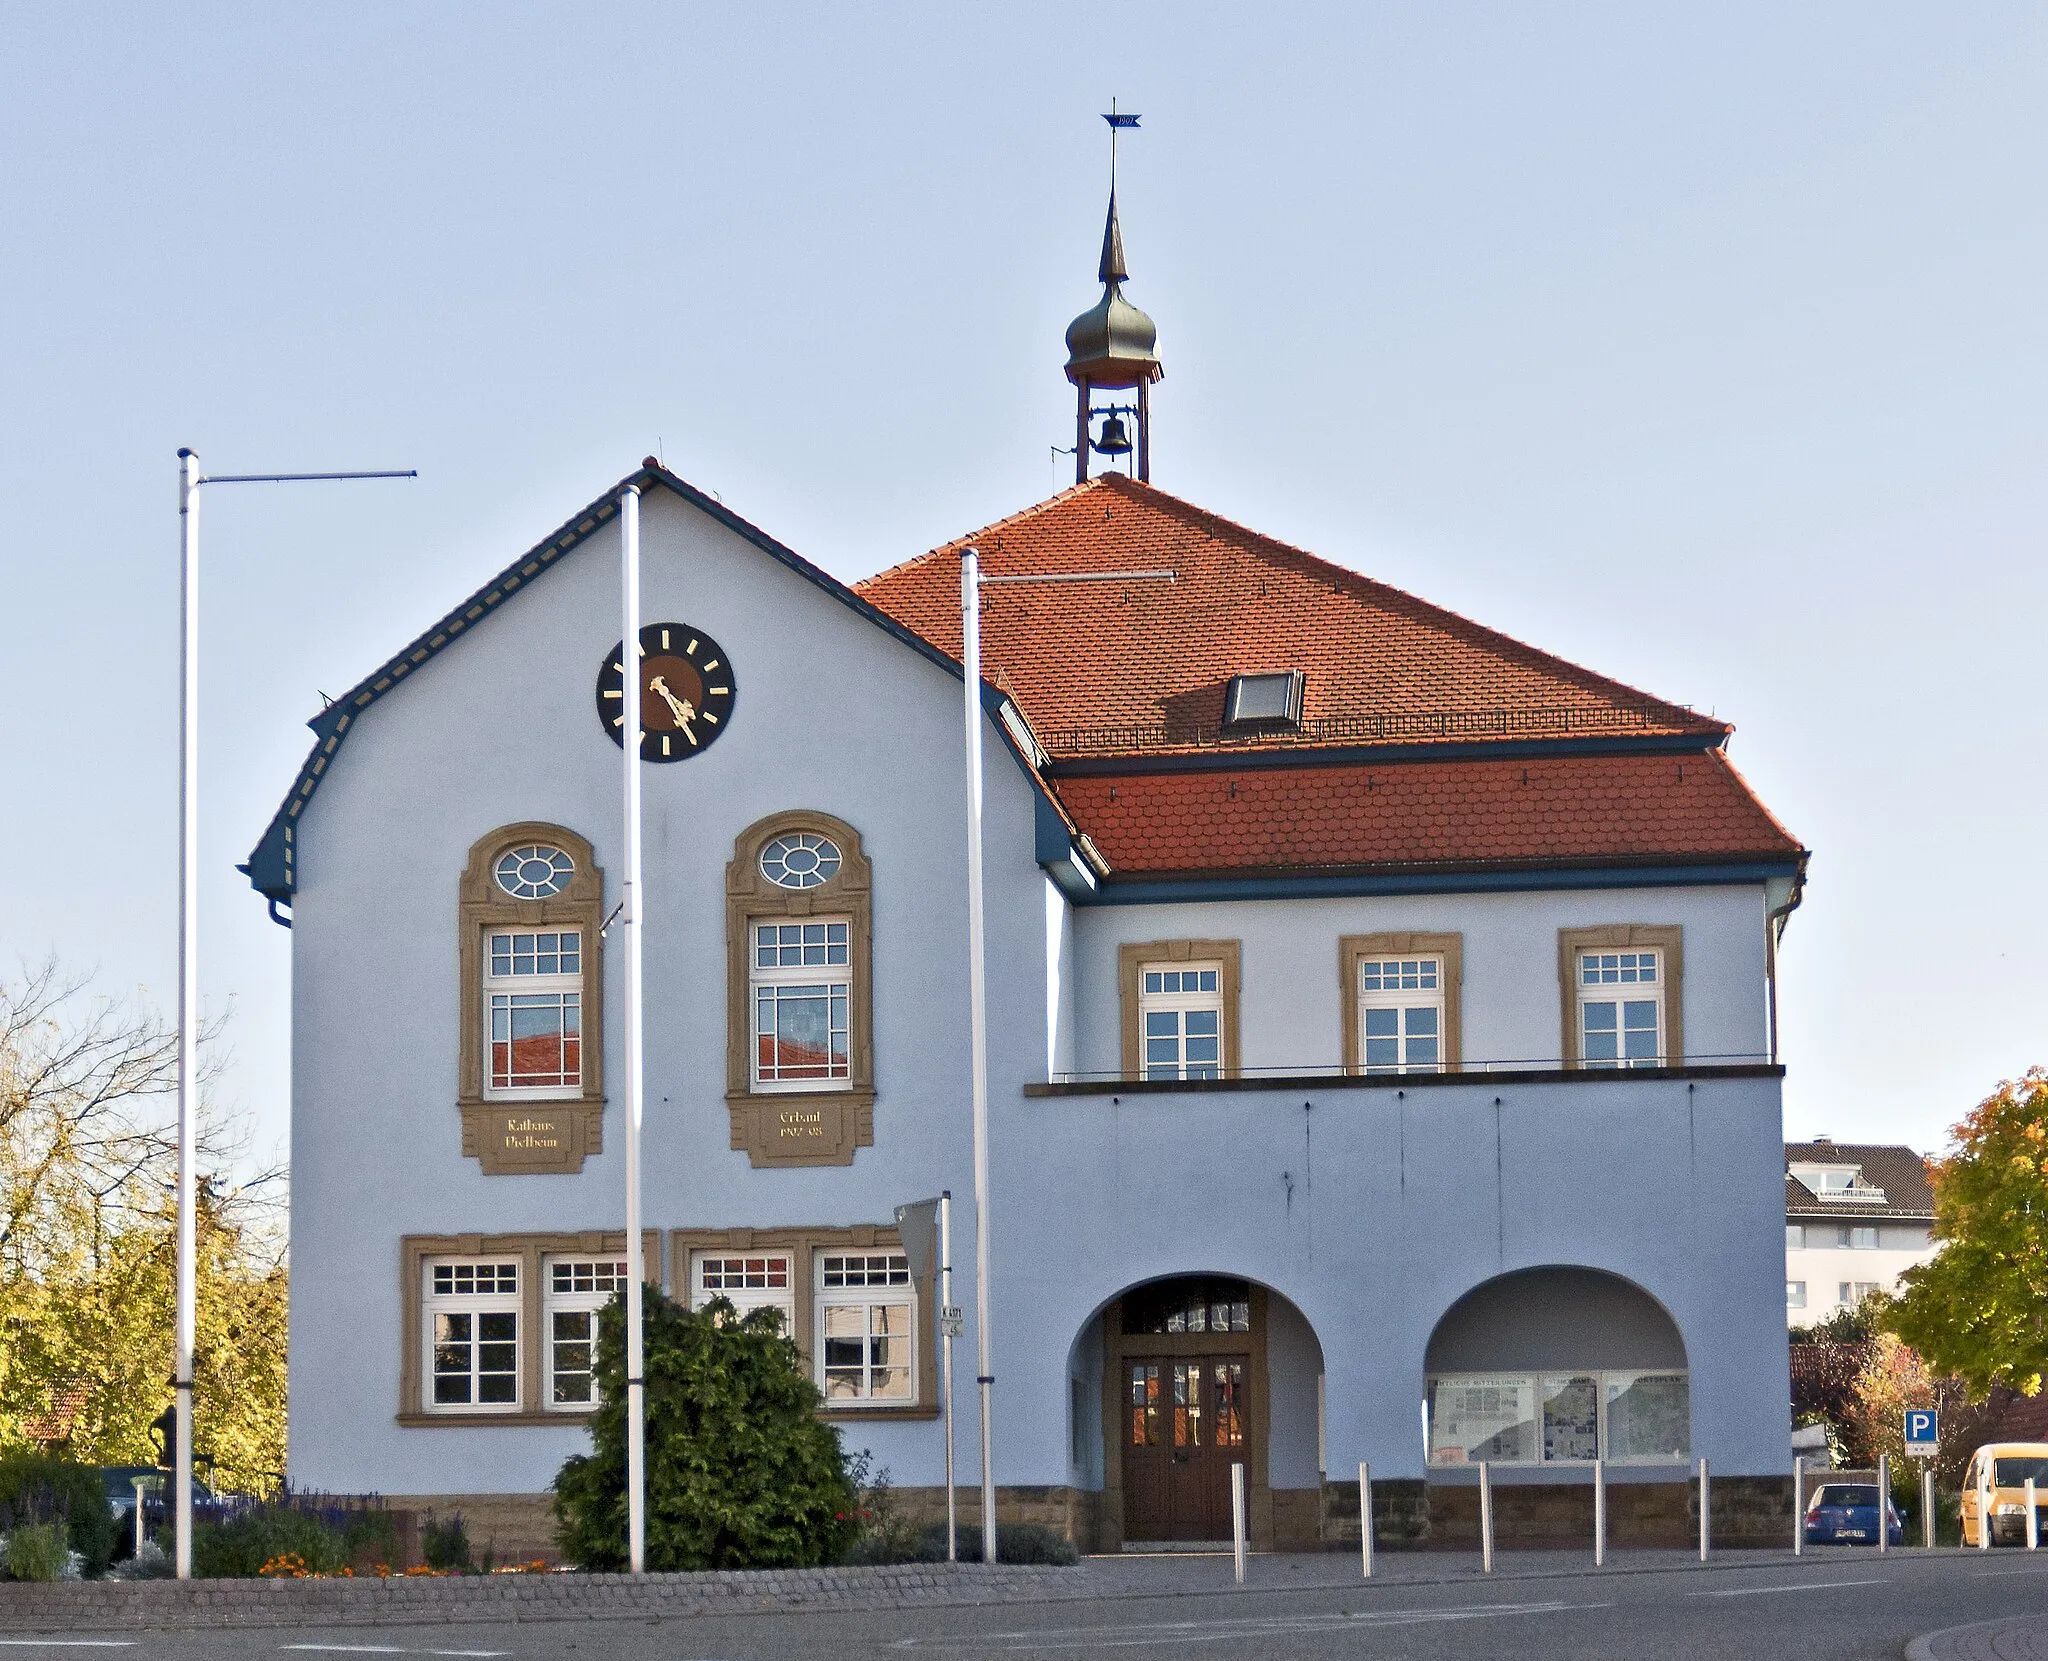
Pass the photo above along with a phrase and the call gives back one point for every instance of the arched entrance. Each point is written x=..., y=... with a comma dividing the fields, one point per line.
x=1555, y=1367
x=1196, y=1373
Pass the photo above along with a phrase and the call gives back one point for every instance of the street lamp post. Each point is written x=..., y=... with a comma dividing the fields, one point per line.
x=189, y=481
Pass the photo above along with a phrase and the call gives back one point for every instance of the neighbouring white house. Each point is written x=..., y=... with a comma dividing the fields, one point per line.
x=1857, y=1216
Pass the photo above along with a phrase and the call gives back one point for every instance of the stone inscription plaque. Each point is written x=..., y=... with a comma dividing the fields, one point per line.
x=801, y=1130
x=544, y=1138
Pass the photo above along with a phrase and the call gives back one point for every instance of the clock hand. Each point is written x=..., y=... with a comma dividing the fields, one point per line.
x=678, y=708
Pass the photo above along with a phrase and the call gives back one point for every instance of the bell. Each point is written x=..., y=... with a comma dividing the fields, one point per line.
x=1115, y=441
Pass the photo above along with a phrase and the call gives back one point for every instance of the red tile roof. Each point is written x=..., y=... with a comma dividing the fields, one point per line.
x=1140, y=665
x=1648, y=808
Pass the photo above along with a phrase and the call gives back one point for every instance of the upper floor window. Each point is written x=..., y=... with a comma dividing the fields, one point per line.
x=803, y=998
x=1795, y=1294
x=1401, y=1014
x=1621, y=1009
x=1621, y=996
x=1179, y=1004
x=577, y=1289
x=1795, y=1236
x=1181, y=1008
x=799, y=919
x=534, y=871
x=533, y=1003
x=531, y=1086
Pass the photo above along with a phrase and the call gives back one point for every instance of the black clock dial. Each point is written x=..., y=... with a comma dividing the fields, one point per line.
x=687, y=692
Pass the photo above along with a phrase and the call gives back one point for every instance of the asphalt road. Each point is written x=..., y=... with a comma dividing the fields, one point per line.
x=1833, y=1604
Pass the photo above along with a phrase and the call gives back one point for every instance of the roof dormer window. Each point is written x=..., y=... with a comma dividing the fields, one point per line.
x=1262, y=701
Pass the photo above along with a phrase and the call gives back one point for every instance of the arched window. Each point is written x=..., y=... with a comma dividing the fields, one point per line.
x=532, y=1009
x=800, y=1069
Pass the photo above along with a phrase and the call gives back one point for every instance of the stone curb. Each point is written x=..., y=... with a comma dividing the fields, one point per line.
x=143, y=1604
x=1982, y=1641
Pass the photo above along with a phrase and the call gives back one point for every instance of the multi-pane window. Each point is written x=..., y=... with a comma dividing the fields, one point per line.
x=1621, y=1008
x=472, y=1334
x=1852, y=1292
x=577, y=1288
x=1559, y=1418
x=1860, y=1239
x=1180, y=1016
x=748, y=1281
x=1795, y=1294
x=533, y=1008
x=1795, y=1236
x=801, y=979
x=1401, y=1014
x=866, y=1328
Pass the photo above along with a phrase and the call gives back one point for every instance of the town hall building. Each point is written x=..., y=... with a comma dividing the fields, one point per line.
x=1382, y=1042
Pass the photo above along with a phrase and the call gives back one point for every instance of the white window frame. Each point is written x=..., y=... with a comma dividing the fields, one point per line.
x=886, y=1286
x=1163, y=991
x=1795, y=1294
x=836, y=978
x=442, y=1280
x=1862, y=1237
x=512, y=985
x=1403, y=999
x=1850, y=1293
x=1795, y=1237
x=594, y=1282
x=764, y=1266
x=1626, y=961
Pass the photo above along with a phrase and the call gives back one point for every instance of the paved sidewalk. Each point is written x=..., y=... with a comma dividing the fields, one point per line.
x=2022, y=1639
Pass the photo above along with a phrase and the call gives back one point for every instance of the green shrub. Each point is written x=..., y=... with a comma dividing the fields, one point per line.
x=1015, y=1543
x=37, y=1551
x=446, y=1545
x=41, y=1490
x=238, y=1547
x=741, y=1472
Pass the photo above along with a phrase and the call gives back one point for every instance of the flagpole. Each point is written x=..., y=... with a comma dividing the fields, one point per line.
x=629, y=917
x=977, y=998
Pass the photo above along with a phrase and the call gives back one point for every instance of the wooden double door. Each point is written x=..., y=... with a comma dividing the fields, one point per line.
x=1185, y=1424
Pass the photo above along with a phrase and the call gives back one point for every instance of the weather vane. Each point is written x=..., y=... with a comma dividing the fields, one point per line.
x=1117, y=121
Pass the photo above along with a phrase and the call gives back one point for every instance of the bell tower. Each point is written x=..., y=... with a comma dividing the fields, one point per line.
x=1111, y=348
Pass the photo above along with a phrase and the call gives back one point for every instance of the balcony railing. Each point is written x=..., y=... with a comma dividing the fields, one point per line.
x=1475, y=1070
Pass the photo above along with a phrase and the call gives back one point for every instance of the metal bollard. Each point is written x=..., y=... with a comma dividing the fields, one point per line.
x=1884, y=1501
x=1927, y=1505
x=2033, y=1520
x=1799, y=1505
x=1365, y=1517
x=1237, y=1540
x=1706, y=1511
x=1486, y=1516
x=1599, y=1513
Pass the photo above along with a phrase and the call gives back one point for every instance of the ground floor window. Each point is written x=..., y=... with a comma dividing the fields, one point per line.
x=1559, y=1418
x=577, y=1289
x=866, y=1327
x=747, y=1280
x=472, y=1332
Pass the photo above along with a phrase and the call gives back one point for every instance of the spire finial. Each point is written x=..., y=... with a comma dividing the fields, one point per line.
x=1112, y=268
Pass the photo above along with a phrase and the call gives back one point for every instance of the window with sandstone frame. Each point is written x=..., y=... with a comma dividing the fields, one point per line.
x=1159, y=1037
x=1394, y=988
x=1601, y=976
x=531, y=1001
x=800, y=1050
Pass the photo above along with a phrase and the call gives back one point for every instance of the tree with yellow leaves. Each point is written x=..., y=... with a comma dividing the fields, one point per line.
x=88, y=1241
x=1980, y=1309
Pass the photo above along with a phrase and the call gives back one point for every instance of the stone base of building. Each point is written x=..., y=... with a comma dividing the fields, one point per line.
x=1748, y=1511
x=511, y=1528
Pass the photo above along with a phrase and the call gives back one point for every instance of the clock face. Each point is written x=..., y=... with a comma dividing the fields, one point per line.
x=686, y=692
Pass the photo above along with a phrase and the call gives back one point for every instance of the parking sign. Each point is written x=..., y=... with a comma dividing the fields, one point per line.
x=1921, y=1435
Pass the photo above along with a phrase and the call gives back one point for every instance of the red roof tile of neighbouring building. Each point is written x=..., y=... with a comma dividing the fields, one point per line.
x=1649, y=808
x=1139, y=665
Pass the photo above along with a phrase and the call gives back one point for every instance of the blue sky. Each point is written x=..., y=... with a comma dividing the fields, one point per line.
x=1703, y=345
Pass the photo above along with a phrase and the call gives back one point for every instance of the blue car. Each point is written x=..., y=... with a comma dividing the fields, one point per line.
x=1845, y=1514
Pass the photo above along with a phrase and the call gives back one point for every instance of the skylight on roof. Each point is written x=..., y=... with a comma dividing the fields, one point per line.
x=1272, y=700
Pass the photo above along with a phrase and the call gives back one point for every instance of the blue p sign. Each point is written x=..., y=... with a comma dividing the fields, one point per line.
x=1920, y=1430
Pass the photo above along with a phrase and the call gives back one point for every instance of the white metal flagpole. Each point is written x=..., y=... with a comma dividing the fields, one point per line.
x=977, y=997
x=947, y=1321
x=188, y=993
x=629, y=918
